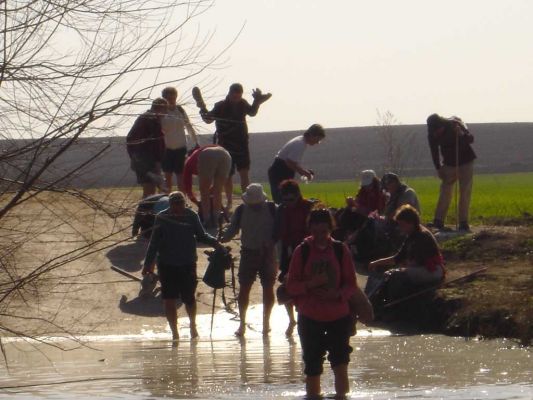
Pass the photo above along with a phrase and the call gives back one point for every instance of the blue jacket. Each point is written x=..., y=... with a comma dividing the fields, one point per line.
x=174, y=238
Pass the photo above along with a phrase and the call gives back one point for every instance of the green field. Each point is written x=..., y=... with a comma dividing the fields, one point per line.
x=494, y=196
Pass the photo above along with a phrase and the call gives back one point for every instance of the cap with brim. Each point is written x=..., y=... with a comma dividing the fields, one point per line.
x=254, y=194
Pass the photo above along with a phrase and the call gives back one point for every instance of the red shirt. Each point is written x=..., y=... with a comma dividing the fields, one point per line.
x=370, y=199
x=190, y=169
x=341, y=277
x=294, y=222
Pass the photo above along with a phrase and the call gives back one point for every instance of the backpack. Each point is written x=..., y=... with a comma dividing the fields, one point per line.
x=240, y=209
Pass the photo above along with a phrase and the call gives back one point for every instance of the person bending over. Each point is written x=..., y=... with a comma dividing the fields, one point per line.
x=212, y=164
x=288, y=160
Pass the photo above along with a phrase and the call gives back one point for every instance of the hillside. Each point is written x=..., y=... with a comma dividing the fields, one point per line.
x=501, y=147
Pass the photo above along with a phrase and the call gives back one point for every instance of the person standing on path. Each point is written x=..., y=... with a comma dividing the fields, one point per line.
x=452, y=138
x=212, y=164
x=255, y=219
x=173, y=247
x=173, y=125
x=322, y=286
x=145, y=146
x=231, y=133
x=288, y=160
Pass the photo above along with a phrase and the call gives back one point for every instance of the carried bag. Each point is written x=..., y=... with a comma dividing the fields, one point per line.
x=220, y=260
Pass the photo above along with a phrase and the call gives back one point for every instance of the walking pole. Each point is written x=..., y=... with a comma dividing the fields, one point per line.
x=213, y=312
x=456, y=178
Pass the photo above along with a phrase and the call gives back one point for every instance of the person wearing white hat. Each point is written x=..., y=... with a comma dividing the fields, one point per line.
x=255, y=219
x=370, y=197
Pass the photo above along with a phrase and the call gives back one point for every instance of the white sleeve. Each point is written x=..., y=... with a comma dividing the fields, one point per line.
x=293, y=150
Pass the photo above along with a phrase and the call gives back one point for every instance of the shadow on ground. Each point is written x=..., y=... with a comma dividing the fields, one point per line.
x=128, y=257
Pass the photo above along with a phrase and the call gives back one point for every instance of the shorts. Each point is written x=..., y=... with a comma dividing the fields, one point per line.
x=214, y=163
x=143, y=169
x=174, y=160
x=257, y=262
x=240, y=157
x=319, y=337
x=178, y=281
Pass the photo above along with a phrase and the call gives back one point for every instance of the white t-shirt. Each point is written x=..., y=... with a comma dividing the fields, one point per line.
x=173, y=127
x=293, y=150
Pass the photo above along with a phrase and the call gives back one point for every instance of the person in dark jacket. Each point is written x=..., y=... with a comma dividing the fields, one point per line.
x=450, y=139
x=231, y=133
x=146, y=147
x=173, y=246
x=399, y=195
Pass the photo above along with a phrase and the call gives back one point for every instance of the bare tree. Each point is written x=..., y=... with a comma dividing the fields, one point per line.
x=73, y=69
x=399, y=147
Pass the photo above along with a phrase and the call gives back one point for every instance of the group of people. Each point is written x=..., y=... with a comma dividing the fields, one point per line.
x=316, y=270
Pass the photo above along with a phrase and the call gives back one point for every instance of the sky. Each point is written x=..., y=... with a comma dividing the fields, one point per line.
x=341, y=62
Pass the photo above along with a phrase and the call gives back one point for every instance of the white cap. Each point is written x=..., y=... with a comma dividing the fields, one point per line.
x=254, y=194
x=367, y=176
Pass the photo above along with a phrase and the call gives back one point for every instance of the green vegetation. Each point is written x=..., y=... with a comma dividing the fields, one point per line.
x=495, y=197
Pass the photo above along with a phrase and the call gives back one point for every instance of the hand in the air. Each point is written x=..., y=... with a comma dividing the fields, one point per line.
x=258, y=95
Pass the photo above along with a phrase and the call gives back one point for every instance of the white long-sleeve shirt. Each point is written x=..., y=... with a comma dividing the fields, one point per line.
x=173, y=125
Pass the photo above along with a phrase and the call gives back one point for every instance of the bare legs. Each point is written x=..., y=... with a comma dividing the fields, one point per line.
x=205, y=194
x=244, y=299
x=168, y=181
x=292, y=321
x=172, y=317
x=342, y=386
x=148, y=189
x=245, y=178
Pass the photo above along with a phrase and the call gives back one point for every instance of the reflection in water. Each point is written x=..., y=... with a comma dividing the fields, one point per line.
x=382, y=367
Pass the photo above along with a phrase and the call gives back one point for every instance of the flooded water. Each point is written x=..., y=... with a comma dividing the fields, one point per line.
x=149, y=366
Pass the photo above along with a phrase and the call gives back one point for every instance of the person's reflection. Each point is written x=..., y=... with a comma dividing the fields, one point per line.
x=267, y=360
x=244, y=361
x=293, y=368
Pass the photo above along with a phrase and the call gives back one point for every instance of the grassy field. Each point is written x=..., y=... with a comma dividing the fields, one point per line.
x=494, y=196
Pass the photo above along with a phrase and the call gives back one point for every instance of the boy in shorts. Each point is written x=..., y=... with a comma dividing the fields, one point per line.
x=173, y=245
x=255, y=218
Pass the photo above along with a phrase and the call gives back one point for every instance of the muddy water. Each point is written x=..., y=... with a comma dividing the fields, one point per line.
x=150, y=366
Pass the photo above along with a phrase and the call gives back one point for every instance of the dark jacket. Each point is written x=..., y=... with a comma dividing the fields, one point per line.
x=145, y=139
x=454, y=134
x=230, y=121
x=174, y=238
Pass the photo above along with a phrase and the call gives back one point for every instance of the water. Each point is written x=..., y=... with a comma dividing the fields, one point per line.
x=150, y=366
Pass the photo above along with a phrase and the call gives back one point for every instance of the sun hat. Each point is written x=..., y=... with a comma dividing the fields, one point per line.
x=254, y=194
x=176, y=197
x=367, y=176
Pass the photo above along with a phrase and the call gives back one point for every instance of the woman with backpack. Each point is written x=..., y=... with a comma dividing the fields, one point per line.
x=321, y=281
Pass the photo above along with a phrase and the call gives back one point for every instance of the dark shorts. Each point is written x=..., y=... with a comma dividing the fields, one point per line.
x=143, y=168
x=174, y=160
x=317, y=338
x=240, y=158
x=178, y=281
x=257, y=262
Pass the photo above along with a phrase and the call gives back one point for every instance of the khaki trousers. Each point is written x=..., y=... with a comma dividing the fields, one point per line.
x=448, y=176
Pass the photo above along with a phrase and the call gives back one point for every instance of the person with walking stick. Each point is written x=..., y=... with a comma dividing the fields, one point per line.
x=450, y=139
